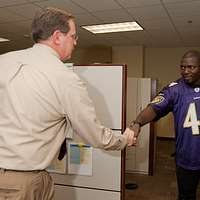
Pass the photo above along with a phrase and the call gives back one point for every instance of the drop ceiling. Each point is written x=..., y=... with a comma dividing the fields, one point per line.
x=166, y=23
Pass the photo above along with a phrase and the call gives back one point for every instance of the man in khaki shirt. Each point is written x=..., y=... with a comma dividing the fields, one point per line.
x=40, y=98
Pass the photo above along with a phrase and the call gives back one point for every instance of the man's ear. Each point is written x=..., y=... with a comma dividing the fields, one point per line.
x=56, y=37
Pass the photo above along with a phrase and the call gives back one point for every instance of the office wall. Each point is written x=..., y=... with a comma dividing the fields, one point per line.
x=92, y=55
x=163, y=63
x=132, y=56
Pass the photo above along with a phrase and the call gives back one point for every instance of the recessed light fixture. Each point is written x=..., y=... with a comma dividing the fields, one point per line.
x=114, y=27
x=4, y=40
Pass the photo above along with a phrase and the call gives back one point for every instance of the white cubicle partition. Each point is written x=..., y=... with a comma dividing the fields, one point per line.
x=106, y=86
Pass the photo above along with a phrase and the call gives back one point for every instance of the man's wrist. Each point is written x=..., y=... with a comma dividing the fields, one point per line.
x=135, y=122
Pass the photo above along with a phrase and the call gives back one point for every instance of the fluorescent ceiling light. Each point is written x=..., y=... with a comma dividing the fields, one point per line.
x=114, y=27
x=4, y=39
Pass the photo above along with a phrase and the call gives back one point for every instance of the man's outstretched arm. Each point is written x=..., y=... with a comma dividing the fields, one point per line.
x=145, y=116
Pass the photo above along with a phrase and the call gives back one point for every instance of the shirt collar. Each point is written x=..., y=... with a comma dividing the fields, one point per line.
x=43, y=47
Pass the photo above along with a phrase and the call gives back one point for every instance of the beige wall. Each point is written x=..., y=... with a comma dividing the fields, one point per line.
x=130, y=55
x=163, y=64
x=92, y=55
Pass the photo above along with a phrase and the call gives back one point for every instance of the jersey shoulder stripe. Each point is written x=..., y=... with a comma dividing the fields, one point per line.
x=172, y=84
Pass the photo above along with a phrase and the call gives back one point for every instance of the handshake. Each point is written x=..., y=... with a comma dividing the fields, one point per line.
x=131, y=133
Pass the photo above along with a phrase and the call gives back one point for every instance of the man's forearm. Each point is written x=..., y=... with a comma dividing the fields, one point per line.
x=145, y=116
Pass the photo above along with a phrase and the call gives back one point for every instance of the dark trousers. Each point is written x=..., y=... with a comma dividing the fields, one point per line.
x=187, y=183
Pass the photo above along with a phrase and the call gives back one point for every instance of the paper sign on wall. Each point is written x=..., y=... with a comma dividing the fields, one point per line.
x=79, y=159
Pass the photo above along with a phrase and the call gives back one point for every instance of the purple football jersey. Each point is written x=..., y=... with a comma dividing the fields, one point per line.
x=184, y=102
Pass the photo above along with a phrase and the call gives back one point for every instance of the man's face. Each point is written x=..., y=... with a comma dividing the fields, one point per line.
x=68, y=42
x=190, y=70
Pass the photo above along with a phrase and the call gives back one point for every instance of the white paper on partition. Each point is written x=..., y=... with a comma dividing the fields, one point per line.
x=79, y=159
x=58, y=166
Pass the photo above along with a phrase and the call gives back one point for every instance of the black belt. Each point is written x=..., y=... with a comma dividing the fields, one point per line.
x=14, y=170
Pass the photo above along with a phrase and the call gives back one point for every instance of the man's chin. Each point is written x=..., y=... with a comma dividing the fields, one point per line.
x=66, y=58
x=187, y=79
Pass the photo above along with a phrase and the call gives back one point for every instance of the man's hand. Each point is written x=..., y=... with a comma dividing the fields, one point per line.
x=131, y=139
x=135, y=127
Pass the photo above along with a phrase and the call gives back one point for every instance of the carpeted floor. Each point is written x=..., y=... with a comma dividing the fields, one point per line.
x=160, y=186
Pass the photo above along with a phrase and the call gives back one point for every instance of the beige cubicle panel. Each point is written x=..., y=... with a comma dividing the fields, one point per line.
x=139, y=93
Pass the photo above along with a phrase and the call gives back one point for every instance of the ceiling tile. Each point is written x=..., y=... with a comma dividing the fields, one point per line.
x=24, y=26
x=86, y=35
x=27, y=10
x=193, y=22
x=161, y=32
x=192, y=34
x=183, y=9
x=170, y=37
x=189, y=35
x=33, y=1
x=86, y=19
x=162, y=24
x=20, y=28
x=136, y=35
x=192, y=44
x=191, y=39
x=161, y=29
x=7, y=16
x=175, y=1
x=139, y=37
x=92, y=5
x=4, y=3
x=137, y=3
x=149, y=13
x=114, y=38
x=165, y=38
x=113, y=16
x=62, y=4
x=10, y=27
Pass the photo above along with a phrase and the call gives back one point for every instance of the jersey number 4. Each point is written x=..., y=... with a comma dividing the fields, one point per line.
x=191, y=119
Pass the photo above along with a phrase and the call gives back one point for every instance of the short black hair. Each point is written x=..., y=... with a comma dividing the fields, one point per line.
x=192, y=53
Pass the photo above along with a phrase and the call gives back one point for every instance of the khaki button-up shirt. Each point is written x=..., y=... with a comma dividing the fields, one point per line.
x=39, y=98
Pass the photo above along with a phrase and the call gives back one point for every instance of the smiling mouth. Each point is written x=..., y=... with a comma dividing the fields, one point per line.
x=187, y=76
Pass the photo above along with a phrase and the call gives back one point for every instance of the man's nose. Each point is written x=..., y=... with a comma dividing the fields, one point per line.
x=187, y=69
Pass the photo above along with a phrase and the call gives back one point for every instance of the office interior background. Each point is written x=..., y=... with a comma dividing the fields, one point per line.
x=171, y=27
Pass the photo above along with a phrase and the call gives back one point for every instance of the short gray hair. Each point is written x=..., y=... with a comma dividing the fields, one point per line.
x=49, y=20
